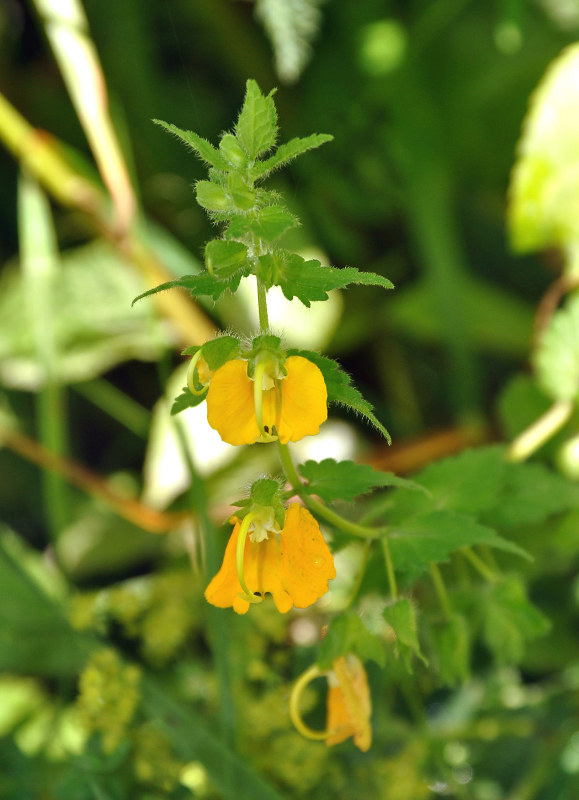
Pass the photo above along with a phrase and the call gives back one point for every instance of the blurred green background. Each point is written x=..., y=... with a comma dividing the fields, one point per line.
x=425, y=100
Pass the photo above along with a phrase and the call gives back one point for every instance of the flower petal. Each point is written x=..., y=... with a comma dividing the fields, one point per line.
x=230, y=404
x=224, y=589
x=349, y=705
x=306, y=561
x=263, y=571
x=304, y=400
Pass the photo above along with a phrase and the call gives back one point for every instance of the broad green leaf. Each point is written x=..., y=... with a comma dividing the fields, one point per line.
x=510, y=619
x=186, y=400
x=224, y=258
x=348, y=634
x=531, y=494
x=287, y=152
x=198, y=285
x=200, y=146
x=543, y=196
x=310, y=281
x=219, y=350
x=344, y=480
x=233, y=151
x=269, y=223
x=435, y=535
x=256, y=127
x=401, y=616
x=451, y=649
x=340, y=389
x=213, y=197
x=556, y=359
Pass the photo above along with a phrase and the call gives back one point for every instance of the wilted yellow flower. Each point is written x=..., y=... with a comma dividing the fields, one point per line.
x=268, y=405
x=349, y=707
x=293, y=564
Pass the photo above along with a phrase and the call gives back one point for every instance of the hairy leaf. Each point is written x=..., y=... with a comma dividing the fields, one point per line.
x=287, y=152
x=401, y=616
x=200, y=146
x=256, y=126
x=186, y=400
x=340, y=388
x=198, y=285
x=344, y=480
x=310, y=281
x=225, y=258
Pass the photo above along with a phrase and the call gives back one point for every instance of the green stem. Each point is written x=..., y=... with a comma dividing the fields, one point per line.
x=262, y=306
x=117, y=405
x=440, y=588
x=362, y=531
x=540, y=431
x=390, y=569
x=361, y=572
x=479, y=565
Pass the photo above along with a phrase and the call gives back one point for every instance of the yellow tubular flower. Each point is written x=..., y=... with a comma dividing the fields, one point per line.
x=295, y=405
x=349, y=707
x=294, y=566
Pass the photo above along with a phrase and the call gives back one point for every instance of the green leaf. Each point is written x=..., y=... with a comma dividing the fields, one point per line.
x=348, y=634
x=224, y=258
x=242, y=195
x=310, y=281
x=198, y=285
x=269, y=224
x=543, y=198
x=401, y=616
x=213, y=197
x=219, y=350
x=344, y=480
x=510, y=619
x=256, y=126
x=451, y=649
x=531, y=494
x=556, y=359
x=287, y=152
x=340, y=389
x=200, y=146
x=186, y=400
x=435, y=535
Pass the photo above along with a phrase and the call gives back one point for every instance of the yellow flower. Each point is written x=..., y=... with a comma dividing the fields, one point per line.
x=295, y=405
x=293, y=565
x=349, y=707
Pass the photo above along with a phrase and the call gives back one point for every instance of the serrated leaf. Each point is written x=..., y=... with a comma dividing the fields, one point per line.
x=224, y=258
x=200, y=146
x=470, y=482
x=401, y=616
x=543, y=197
x=348, y=634
x=451, y=647
x=340, y=388
x=186, y=400
x=310, y=281
x=287, y=152
x=344, y=480
x=510, y=619
x=556, y=359
x=219, y=350
x=435, y=535
x=200, y=285
x=531, y=494
x=256, y=126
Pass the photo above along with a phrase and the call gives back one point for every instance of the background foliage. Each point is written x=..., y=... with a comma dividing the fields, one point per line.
x=425, y=101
